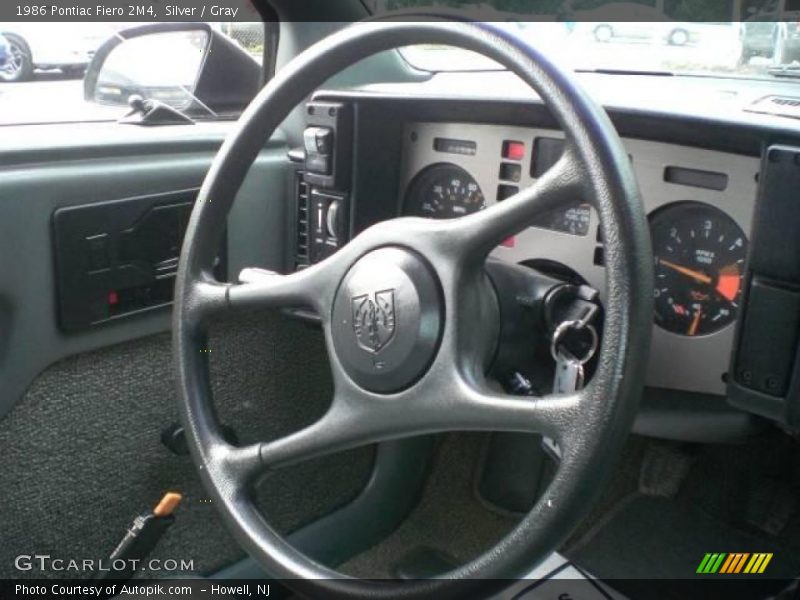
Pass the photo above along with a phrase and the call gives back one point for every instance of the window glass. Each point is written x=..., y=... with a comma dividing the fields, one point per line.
x=43, y=64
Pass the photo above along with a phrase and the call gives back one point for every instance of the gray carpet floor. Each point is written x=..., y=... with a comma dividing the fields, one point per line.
x=449, y=517
x=721, y=507
x=83, y=456
x=629, y=534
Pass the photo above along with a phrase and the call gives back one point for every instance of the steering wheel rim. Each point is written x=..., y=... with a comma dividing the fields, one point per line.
x=449, y=392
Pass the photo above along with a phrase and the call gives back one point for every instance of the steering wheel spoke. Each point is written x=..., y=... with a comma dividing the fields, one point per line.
x=554, y=416
x=475, y=236
x=245, y=464
x=206, y=299
x=240, y=464
x=350, y=422
x=337, y=430
x=259, y=288
x=357, y=418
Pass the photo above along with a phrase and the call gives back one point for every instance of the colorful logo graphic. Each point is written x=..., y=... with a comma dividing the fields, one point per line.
x=722, y=563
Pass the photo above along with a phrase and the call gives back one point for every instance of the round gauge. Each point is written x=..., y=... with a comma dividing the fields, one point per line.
x=443, y=191
x=699, y=263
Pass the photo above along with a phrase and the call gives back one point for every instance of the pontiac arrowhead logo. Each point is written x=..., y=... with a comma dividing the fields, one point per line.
x=374, y=320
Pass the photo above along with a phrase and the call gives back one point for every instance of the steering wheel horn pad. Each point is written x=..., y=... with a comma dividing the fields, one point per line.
x=387, y=319
x=410, y=320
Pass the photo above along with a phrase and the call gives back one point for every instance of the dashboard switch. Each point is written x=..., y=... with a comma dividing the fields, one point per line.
x=328, y=145
x=319, y=211
x=332, y=220
x=506, y=191
x=328, y=223
x=99, y=258
x=510, y=172
x=318, y=140
x=513, y=150
x=324, y=138
x=318, y=144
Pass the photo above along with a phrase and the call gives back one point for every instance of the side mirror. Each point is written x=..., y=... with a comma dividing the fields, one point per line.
x=188, y=66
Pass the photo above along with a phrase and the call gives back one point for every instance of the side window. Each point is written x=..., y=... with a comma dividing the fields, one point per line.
x=249, y=36
x=46, y=68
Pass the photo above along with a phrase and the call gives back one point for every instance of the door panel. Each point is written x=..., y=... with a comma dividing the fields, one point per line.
x=81, y=413
x=37, y=182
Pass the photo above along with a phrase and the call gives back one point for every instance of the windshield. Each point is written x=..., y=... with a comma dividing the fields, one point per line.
x=641, y=38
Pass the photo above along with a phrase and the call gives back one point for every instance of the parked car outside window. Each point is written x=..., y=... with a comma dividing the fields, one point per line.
x=51, y=46
x=5, y=52
x=48, y=60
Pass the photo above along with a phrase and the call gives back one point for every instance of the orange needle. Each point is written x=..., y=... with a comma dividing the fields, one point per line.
x=695, y=322
x=697, y=275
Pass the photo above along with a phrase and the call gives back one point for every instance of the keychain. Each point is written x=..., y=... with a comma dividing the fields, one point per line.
x=569, y=374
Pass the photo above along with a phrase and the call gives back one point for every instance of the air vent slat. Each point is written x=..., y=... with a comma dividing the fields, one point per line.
x=301, y=196
x=781, y=106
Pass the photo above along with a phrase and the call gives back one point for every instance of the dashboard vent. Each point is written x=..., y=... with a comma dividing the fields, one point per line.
x=302, y=241
x=782, y=106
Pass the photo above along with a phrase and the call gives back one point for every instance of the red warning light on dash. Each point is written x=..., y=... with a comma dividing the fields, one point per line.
x=513, y=150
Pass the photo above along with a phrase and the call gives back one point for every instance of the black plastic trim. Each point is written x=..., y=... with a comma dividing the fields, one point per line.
x=693, y=417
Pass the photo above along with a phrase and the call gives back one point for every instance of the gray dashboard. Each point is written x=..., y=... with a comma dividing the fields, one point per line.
x=677, y=362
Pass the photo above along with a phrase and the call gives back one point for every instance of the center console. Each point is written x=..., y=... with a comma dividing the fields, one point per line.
x=323, y=185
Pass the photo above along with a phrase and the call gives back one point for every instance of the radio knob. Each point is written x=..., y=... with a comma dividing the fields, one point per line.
x=332, y=219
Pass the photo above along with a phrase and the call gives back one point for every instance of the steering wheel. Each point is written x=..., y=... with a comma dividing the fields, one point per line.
x=411, y=320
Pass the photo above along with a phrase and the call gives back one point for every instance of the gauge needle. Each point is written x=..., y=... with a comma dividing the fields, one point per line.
x=695, y=322
x=697, y=275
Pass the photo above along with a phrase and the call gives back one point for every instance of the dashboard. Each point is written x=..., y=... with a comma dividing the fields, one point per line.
x=718, y=190
x=700, y=204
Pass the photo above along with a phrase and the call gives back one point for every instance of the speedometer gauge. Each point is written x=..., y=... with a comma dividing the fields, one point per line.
x=699, y=265
x=443, y=191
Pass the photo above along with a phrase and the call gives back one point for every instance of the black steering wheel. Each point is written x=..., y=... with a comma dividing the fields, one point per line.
x=411, y=320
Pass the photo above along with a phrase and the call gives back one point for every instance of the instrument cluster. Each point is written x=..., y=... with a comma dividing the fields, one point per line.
x=445, y=190
x=699, y=203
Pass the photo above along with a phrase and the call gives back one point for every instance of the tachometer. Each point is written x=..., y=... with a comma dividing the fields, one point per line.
x=699, y=264
x=443, y=191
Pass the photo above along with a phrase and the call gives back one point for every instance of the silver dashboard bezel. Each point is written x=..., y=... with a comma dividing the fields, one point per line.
x=694, y=364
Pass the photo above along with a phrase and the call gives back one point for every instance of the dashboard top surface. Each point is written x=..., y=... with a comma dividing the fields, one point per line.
x=692, y=100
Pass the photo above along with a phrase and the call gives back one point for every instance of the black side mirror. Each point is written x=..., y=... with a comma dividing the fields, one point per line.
x=188, y=66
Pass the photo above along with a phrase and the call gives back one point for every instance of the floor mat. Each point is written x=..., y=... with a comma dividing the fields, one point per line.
x=652, y=538
x=631, y=538
x=646, y=537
